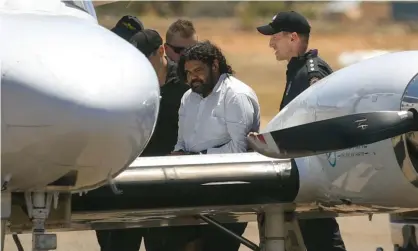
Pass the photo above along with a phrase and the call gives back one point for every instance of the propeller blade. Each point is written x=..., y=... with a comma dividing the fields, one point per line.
x=334, y=134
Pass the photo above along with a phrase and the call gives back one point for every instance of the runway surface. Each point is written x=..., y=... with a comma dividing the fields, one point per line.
x=358, y=232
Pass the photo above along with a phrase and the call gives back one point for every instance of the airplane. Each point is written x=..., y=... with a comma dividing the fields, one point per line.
x=71, y=141
x=79, y=103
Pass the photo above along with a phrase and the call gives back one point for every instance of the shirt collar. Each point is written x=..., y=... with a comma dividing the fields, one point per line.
x=301, y=59
x=218, y=85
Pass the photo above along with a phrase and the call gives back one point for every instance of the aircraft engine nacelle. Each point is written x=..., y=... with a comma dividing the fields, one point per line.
x=384, y=83
x=79, y=103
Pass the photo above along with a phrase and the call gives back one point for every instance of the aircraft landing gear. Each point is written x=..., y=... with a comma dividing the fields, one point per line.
x=38, y=205
x=279, y=231
x=271, y=227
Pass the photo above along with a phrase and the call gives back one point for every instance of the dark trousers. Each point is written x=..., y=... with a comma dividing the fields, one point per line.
x=213, y=239
x=120, y=239
x=321, y=234
x=170, y=238
x=155, y=239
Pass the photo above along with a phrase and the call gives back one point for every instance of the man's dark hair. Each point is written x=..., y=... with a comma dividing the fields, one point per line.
x=182, y=26
x=205, y=52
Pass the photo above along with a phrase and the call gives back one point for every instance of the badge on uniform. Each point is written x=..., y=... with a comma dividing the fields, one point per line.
x=313, y=80
x=288, y=88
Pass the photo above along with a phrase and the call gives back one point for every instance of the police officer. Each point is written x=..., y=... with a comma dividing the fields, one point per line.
x=162, y=142
x=289, y=37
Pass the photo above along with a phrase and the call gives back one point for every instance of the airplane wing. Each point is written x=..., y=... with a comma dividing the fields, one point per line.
x=169, y=191
x=172, y=187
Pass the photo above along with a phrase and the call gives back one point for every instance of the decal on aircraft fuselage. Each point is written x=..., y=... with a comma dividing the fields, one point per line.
x=358, y=151
x=332, y=158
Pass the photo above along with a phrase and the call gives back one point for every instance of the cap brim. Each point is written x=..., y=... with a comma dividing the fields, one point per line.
x=266, y=30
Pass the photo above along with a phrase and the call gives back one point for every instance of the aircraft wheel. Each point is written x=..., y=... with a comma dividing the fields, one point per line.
x=379, y=249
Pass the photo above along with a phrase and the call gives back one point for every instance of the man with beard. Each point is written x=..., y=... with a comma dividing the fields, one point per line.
x=215, y=116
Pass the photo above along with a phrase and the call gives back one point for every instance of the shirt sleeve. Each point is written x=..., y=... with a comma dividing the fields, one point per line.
x=239, y=119
x=180, y=140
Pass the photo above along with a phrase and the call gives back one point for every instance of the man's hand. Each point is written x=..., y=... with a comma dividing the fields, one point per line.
x=253, y=134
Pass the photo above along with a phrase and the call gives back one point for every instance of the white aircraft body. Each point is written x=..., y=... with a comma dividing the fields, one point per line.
x=78, y=111
x=79, y=104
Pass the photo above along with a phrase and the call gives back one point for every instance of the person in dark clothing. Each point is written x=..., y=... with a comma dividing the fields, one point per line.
x=289, y=37
x=161, y=143
x=127, y=26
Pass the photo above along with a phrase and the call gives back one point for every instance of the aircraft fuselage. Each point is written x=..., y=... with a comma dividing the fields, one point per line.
x=79, y=103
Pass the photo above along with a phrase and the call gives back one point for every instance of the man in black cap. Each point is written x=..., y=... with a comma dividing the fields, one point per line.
x=127, y=26
x=162, y=142
x=289, y=37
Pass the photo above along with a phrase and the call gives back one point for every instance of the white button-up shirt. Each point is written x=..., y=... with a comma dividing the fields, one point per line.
x=220, y=122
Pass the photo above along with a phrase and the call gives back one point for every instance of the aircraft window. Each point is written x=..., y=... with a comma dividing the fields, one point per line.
x=85, y=5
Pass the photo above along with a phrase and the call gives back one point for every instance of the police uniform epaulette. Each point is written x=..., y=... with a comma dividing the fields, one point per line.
x=312, y=61
x=312, y=65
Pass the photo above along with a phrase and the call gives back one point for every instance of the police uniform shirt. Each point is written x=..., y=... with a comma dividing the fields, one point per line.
x=301, y=73
x=164, y=137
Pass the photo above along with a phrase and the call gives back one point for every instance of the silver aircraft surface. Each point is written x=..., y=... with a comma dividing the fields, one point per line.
x=79, y=104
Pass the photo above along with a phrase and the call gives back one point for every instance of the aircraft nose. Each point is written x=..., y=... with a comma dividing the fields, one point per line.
x=78, y=99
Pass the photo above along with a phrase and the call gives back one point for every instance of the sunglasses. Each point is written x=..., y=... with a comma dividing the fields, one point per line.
x=176, y=49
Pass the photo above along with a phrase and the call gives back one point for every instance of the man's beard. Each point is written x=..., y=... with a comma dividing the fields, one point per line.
x=204, y=88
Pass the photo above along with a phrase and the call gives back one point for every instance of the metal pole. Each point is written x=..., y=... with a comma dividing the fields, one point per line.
x=243, y=241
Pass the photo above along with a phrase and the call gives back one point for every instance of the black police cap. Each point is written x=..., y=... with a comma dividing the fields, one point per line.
x=289, y=21
x=127, y=26
x=147, y=41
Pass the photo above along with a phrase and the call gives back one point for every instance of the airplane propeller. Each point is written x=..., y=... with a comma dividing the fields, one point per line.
x=334, y=134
